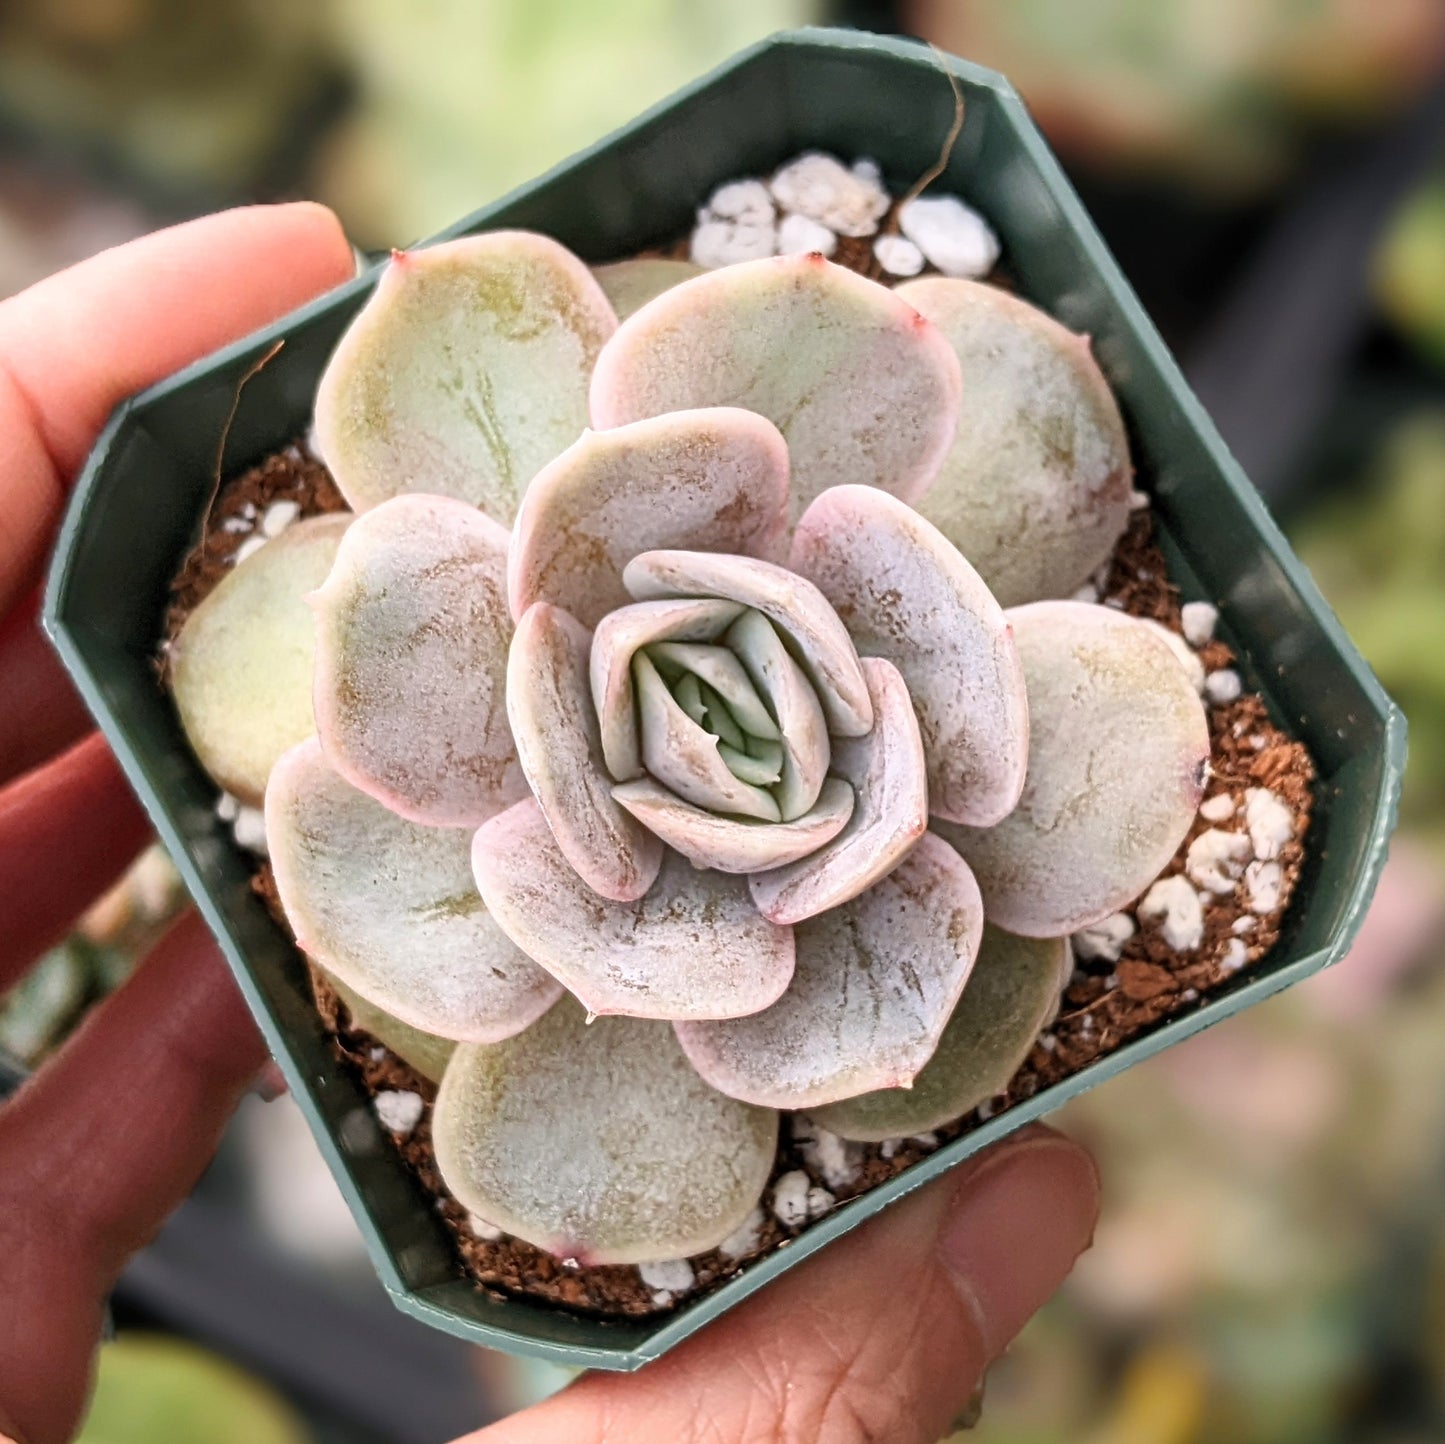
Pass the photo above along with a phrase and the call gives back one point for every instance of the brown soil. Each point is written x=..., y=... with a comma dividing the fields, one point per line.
x=1104, y=1006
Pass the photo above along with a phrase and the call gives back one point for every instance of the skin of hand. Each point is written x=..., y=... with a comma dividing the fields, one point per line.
x=883, y=1338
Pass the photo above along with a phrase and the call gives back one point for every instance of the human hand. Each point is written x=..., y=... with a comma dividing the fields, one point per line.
x=110, y=1135
x=883, y=1338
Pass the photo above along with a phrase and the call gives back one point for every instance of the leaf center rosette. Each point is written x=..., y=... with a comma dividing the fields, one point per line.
x=651, y=670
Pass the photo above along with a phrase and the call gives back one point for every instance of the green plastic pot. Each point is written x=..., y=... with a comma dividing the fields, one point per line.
x=138, y=505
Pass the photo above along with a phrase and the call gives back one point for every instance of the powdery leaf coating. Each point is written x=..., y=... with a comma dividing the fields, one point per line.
x=599, y=1143
x=465, y=373
x=730, y=844
x=629, y=285
x=714, y=480
x=887, y=773
x=619, y=637
x=391, y=910
x=241, y=666
x=549, y=704
x=860, y=385
x=694, y=947
x=876, y=980
x=426, y=1052
x=905, y=594
x=412, y=632
x=823, y=645
x=1035, y=491
x=1011, y=993
x=1117, y=761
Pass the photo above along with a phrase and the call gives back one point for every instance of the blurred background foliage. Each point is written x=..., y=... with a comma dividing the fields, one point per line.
x=1270, y=1268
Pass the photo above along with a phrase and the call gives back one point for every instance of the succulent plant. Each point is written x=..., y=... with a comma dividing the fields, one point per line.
x=699, y=717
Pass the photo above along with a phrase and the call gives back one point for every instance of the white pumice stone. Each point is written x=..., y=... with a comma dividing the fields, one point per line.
x=249, y=547
x=819, y=1202
x=1105, y=939
x=868, y=171
x=1270, y=822
x=249, y=830
x=790, y=1199
x=1175, y=906
x=1223, y=686
x=1219, y=808
x=1198, y=620
x=747, y=202
x=1087, y=593
x=1245, y=924
x=399, y=1109
x=836, y=1160
x=480, y=1228
x=1138, y=500
x=278, y=516
x=898, y=255
x=744, y=1238
x=802, y=236
x=724, y=243
x=673, y=1276
x=237, y=525
x=1216, y=860
x=889, y=1147
x=227, y=807
x=925, y=1140
x=248, y=510
x=1235, y=956
x=953, y=236
x=822, y=188
x=1264, y=882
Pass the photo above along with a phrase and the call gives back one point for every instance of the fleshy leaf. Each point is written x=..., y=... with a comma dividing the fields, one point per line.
x=241, y=666
x=684, y=757
x=619, y=637
x=905, y=594
x=598, y=1142
x=712, y=481
x=426, y=1052
x=412, y=631
x=391, y=910
x=629, y=285
x=859, y=384
x=1117, y=760
x=549, y=704
x=886, y=771
x=728, y=843
x=465, y=373
x=694, y=947
x=1035, y=491
x=823, y=646
x=876, y=980
x=1007, y=1002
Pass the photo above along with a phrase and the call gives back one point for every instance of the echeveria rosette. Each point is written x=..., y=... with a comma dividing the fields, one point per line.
x=724, y=734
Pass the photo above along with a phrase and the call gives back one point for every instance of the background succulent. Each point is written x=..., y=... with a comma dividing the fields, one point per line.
x=701, y=716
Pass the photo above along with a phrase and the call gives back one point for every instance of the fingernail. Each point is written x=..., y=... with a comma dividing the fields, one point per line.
x=1016, y=1225
x=269, y=1084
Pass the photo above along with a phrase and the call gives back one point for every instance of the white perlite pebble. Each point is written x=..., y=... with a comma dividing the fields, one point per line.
x=1138, y=500
x=1270, y=822
x=835, y=1159
x=1217, y=809
x=868, y=171
x=790, y=1199
x=889, y=1147
x=1235, y=956
x=236, y=525
x=399, y=1109
x=1216, y=860
x=1263, y=881
x=1245, y=924
x=1174, y=904
x=674, y=1276
x=1087, y=593
x=279, y=515
x=249, y=547
x=745, y=202
x=898, y=255
x=1198, y=621
x=480, y=1228
x=1105, y=939
x=744, y=1238
x=925, y=1140
x=802, y=236
x=952, y=235
x=822, y=188
x=1223, y=686
x=819, y=1202
x=227, y=807
x=249, y=830
x=725, y=243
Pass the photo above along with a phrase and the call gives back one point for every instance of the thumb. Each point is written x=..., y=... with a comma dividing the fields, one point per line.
x=884, y=1336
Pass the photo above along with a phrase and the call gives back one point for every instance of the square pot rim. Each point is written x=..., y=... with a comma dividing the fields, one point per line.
x=654, y=1337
